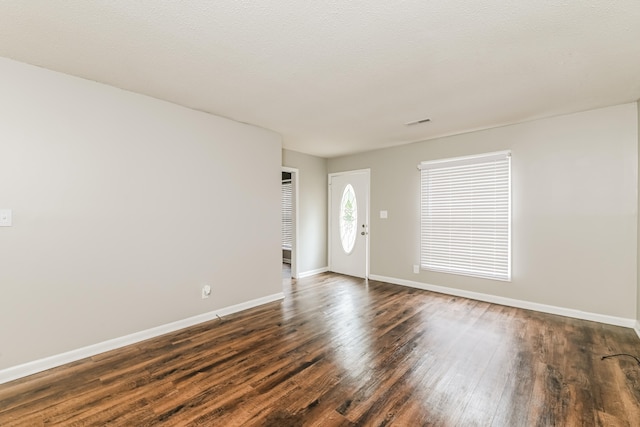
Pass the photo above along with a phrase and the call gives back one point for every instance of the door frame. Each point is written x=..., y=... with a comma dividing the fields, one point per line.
x=295, y=175
x=367, y=171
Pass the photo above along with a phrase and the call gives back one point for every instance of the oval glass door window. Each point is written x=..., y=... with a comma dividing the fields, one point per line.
x=348, y=219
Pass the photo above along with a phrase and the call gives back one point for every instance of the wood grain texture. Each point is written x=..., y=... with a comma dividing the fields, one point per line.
x=340, y=351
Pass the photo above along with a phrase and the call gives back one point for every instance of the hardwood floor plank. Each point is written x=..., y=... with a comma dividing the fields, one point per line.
x=341, y=351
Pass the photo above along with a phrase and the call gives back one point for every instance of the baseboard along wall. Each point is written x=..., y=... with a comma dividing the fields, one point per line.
x=510, y=302
x=312, y=272
x=30, y=368
x=40, y=365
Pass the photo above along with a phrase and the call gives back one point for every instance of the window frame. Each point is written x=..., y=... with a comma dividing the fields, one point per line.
x=465, y=215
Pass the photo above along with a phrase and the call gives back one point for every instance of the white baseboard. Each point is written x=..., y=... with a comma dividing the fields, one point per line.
x=312, y=272
x=40, y=365
x=561, y=311
x=637, y=328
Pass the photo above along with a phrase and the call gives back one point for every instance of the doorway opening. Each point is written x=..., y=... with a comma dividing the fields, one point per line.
x=289, y=222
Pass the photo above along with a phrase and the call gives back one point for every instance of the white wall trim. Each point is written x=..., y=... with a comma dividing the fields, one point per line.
x=637, y=328
x=312, y=272
x=510, y=302
x=40, y=365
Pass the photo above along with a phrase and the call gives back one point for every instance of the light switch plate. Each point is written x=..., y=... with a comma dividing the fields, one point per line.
x=5, y=218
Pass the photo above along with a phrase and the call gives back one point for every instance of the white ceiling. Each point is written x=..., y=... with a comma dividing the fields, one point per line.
x=337, y=77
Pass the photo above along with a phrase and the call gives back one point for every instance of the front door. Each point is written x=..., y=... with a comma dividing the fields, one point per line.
x=349, y=223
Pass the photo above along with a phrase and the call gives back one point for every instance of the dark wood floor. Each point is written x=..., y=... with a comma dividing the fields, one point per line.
x=340, y=352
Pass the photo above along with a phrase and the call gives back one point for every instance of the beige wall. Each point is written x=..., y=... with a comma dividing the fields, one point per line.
x=574, y=209
x=312, y=215
x=638, y=240
x=123, y=207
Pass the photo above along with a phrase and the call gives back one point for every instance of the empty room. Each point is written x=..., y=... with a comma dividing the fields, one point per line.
x=329, y=213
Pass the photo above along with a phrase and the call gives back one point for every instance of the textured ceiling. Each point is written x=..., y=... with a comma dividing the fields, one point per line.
x=336, y=77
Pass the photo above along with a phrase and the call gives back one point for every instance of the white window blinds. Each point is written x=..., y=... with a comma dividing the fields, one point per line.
x=466, y=215
x=287, y=215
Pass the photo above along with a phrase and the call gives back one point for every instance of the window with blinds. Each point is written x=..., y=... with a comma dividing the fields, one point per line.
x=287, y=215
x=465, y=215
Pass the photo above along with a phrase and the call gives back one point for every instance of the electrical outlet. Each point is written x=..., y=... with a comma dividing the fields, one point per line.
x=416, y=269
x=5, y=217
x=206, y=291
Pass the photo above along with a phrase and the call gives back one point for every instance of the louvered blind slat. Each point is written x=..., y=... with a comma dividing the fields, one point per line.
x=465, y=216
x=287, y=215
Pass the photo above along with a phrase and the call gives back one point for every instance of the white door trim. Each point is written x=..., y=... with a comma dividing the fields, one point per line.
x=295, y=179
x=368, y=215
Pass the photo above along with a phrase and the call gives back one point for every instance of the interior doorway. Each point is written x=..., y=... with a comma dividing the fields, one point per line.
x=290, y=221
